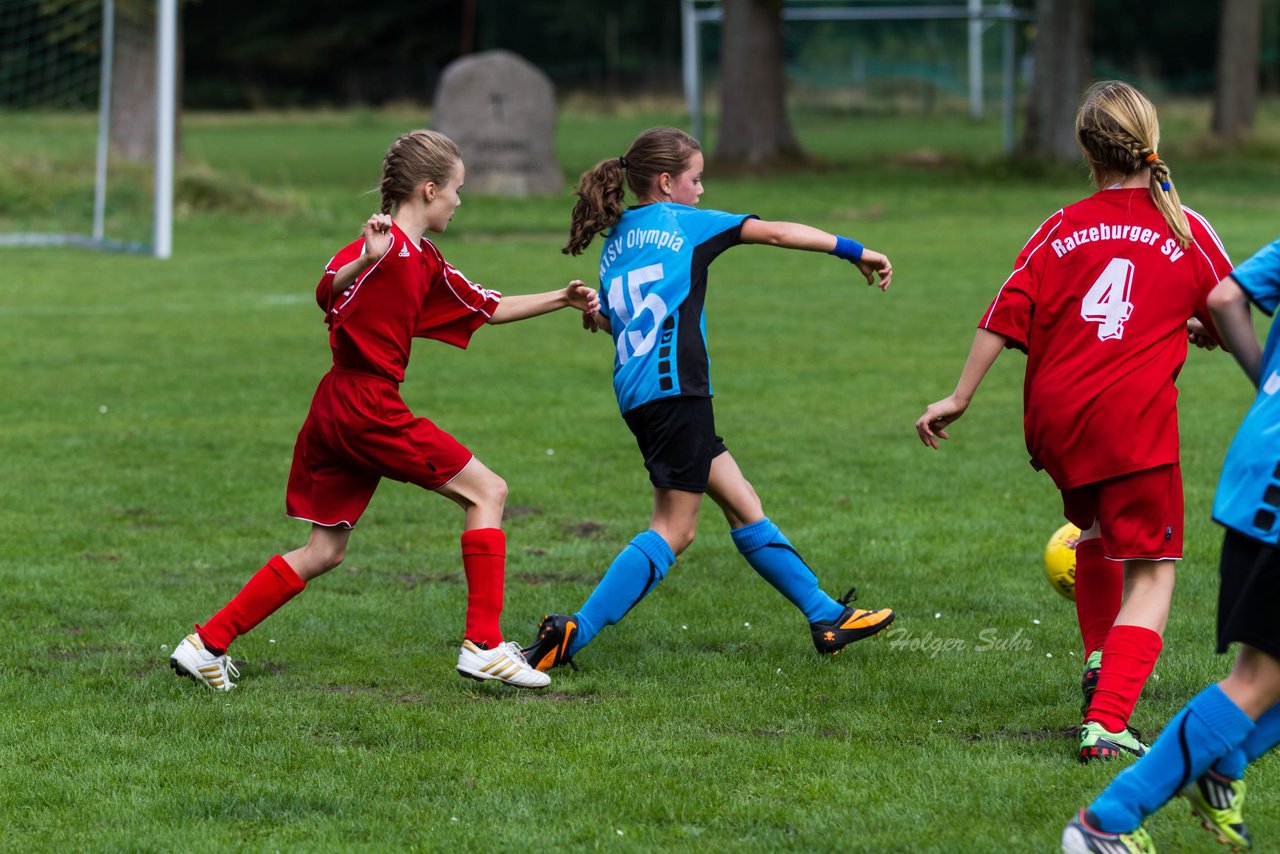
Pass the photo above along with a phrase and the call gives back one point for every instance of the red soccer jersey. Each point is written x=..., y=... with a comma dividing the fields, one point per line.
x=1099, y=302
x=410, y=292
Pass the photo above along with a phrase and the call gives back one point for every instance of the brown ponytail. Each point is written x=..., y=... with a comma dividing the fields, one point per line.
x=600, y=189
x=1119, y=133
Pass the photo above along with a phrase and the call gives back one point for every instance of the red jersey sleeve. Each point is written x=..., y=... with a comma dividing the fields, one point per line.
x=454, y=307
x=1216, y=265
x=1011, y=311
x=325, y=297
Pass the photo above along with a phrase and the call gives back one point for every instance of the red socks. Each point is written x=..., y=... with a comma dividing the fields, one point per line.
x=268, y=589
x=1099, y=589
x=484, y=558
x=1128, y=657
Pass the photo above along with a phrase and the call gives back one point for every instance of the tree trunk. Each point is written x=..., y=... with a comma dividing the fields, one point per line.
x=754, y=128
x=1235, y=96
x=1061, y=58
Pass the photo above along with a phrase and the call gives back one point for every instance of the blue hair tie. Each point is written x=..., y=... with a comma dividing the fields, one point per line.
x=1165, y=185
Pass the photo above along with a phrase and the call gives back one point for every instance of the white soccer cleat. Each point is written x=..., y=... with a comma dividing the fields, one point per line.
x=191, y=659
x=506, y=664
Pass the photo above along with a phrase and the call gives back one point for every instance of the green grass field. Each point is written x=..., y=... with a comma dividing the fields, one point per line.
x=149, y=410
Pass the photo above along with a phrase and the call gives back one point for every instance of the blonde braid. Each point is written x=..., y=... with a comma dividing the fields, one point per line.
x=1119, y=133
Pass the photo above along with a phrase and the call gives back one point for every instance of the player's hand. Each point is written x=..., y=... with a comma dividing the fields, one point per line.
x=930, y=426
x=377, y=236
x=1198, y=335
x=581, y=297
x=594, y=321
x=873, y=265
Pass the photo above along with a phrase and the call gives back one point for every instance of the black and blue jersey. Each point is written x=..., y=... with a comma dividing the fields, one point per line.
x=653, y=282
x=1248, y=498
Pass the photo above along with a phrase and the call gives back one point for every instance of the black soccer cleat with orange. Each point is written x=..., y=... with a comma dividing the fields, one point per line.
x=854, y=624
x=551, y=648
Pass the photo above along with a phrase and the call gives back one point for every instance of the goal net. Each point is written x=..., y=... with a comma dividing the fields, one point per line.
x=86, y=87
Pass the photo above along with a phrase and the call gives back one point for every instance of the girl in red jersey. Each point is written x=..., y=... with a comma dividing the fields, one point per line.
x=383, y=290
x=1102, y=300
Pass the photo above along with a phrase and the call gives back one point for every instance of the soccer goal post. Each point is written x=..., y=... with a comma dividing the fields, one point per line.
x=88, y=104
x=936, y=45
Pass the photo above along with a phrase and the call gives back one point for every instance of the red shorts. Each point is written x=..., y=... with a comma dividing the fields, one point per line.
x=1139, y=515
x=357, y=432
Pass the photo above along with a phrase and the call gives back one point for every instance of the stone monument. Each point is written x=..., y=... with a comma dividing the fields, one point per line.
x=501, y=111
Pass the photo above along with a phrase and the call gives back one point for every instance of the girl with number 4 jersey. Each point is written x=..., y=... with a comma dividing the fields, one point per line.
x=653, y=270
x=1103, y=300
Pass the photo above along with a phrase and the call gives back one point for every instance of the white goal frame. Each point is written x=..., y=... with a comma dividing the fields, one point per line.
x=161, y=245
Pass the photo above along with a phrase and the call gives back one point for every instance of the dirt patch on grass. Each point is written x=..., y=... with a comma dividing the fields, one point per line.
x=587, y=530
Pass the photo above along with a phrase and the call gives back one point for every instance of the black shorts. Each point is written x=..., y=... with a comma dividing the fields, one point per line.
x=677, y=436
x=1249, y=594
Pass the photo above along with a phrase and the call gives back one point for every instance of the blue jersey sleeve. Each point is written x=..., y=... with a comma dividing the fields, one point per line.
x=701, y=226
x=1260, y=277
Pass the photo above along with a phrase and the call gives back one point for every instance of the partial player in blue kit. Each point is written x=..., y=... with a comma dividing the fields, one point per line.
x=653, y=270
x=1203, y=752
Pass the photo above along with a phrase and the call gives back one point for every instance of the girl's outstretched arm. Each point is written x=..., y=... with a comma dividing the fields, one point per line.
x=982, y=355
x=794, y=235
x=521, y=306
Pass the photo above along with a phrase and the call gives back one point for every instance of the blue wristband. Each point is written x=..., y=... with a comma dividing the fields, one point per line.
x=847, y=248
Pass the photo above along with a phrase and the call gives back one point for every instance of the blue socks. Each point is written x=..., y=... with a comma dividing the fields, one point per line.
x=634, y=572
x=1265, y=735
x=773, y=556
x=1207, y=728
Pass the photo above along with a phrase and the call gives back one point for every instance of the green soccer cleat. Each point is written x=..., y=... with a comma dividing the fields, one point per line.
x=1219, y=804
x=854, y=624
x=1079, y=837
x=1098, y=743
x=1089, y=680
x=551, y=648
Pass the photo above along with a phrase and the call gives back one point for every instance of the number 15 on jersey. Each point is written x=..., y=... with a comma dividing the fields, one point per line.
x=633, y=342
x=1107, y=302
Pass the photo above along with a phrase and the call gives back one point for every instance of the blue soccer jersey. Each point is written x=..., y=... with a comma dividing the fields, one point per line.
x=653, y=283
x=1248, y=498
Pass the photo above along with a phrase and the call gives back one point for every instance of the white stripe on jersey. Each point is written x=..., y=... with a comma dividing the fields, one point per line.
x=1205, y=224
x=355, y=286
x=451, y=273
x=987, y=317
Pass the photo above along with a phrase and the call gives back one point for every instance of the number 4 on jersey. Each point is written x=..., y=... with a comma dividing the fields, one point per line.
x=1107, y=302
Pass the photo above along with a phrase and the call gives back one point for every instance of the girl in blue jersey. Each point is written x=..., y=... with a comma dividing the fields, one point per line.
x=1204, y=750
x=653, y=268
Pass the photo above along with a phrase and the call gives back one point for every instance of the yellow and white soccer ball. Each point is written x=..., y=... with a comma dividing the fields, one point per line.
x=1060, y=560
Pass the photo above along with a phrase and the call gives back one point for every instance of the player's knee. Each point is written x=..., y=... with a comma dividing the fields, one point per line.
x=337, y=556
x=329, y=556
x=681, y=540
x=494, y=492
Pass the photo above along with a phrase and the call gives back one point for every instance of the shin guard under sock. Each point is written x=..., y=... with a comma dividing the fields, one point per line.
x=1099, y=588
x=1128, y=656
x=484, y=560
x=772, y=555
x=1207, y=728
x=268, y=589
x=634, y=572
